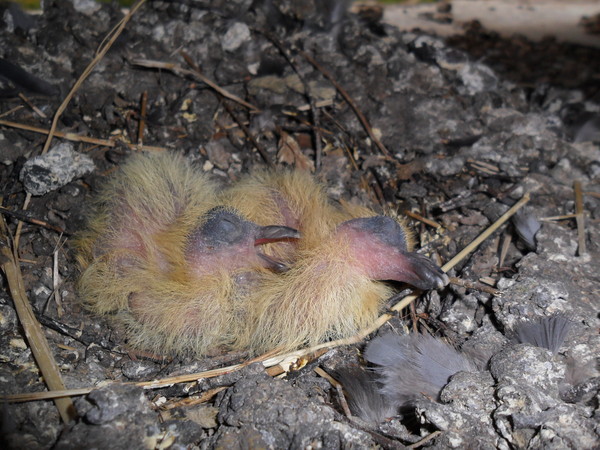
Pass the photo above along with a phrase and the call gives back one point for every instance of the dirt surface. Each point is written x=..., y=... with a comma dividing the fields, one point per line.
x=572, y=21
x=462, y=139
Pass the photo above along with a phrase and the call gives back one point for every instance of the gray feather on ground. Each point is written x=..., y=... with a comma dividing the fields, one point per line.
x=414, y=365
x=364, y=397
x=526, y=226
x=547, y=332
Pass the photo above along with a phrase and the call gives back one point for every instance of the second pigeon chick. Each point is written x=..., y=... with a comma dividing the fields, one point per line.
x=331, y=289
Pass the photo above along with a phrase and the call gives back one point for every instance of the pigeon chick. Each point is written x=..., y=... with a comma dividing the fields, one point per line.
x=171, y=262
x=331, y=290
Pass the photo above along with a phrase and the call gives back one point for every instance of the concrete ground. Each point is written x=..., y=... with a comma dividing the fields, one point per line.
x=536, y=19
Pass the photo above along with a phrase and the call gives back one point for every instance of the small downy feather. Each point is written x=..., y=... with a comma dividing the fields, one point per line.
x=546, y=332
x=363, y=393
x=526, y=226
x=414, y=365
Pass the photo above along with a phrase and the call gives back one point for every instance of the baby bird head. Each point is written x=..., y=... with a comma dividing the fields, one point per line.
x=379, y=245
x=225, y=240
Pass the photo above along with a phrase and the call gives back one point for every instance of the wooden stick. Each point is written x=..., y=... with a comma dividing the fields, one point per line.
x=579, y=217
x=177, y=69
x=563, y=217
x=33, y=331
x=425, y=220
x=114, y=34
x=261, y=150
x=483, y=236
x=339, y=388
x=79, y=138
x=361, y=117
x=142, y=123
x=25, y=218
x=35, y=109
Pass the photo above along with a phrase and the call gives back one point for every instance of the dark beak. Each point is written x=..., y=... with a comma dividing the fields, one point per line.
x=421, y=272
x=275, y=233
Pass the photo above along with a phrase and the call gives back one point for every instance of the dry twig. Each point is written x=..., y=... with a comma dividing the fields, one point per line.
x=425, y=220
x=79, y=138
x=350, y=101
x=339, y=389
x=33, y=331
x=25, y=218
x=579, y=217
x=177, y=69
x=114, y=34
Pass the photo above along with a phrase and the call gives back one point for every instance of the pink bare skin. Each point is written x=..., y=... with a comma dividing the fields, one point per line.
x=382, y=248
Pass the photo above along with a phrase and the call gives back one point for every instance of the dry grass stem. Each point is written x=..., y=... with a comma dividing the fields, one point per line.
x=554, y=218
x=12, y=110
x=504, y=249
x=361, y=117
x=178, y=70
x=579, y=217
x=78, y=138
x=24, y=218
x=104, y=48
x=33, y=331
x=483, y=236
x=425, y=439
x=475, y=286
x=425, y=220
x=35, y=109
x=192, y=401
x=142, y=124
x=115, y=33
x=339, y=388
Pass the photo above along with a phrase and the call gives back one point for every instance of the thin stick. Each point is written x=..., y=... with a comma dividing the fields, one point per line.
x=338, y=387
x=475, y=286
x=580, y=217
x=56, y=282
x=425, y=220
x=504, y=250
x=79, y=138
x=25, y=218
x=483, y=236
x=116, y=32
x=142, y=124
x=33, y=331
x=35, y=109
x=12, y=110
x=425, y=439
x=350, y=100
x=313, y=109
x=563, y=217
x=261, y=150
x=177, y=69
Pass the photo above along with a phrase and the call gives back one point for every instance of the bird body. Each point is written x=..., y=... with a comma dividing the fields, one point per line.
x=144, y=200
x=322, y=296
x=173, y=264
x=188, y=268
x=331, y=287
